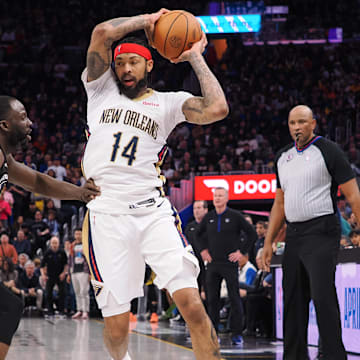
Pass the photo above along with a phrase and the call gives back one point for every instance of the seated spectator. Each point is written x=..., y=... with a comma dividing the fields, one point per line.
x=8, y=275
x=17, y=225
x=352, y=221
x=247, y=273
x=29, y=213
x=8, y=250
x=355, y=238
x=52, y=223
x=30, y=287
x=258, y=302
x=345, y=242
x=40, y=231
x=23, y=259
x=22, y=244
x=345, y=226
x=261, y=228
x=59, y=170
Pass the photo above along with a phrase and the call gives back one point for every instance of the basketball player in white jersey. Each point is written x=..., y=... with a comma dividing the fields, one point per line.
x=132, y=223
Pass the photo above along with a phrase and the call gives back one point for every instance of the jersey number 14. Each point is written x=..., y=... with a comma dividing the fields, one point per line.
x=129, y=150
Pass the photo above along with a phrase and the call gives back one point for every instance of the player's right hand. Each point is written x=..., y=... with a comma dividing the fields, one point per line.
x=198, y=47
x=150, y=20
x=267, y=255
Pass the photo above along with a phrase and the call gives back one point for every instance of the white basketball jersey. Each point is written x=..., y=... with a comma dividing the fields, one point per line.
x=127, y=142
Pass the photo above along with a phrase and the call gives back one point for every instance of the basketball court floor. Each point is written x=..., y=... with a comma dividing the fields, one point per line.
x=60, y=339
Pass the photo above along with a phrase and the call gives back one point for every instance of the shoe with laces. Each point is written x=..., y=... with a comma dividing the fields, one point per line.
x=154, y=318
x=237, y=340
x=77, y=315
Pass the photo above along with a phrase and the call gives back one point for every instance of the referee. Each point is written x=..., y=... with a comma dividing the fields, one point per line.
x=219, y=236
x=308, y=174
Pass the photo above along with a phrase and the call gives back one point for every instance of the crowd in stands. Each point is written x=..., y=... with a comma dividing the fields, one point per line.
x=42, y=53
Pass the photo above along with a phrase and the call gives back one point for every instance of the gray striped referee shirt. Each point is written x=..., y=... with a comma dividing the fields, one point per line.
x=310, y=178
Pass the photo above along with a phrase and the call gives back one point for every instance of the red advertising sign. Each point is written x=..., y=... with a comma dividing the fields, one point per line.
x=240, y=187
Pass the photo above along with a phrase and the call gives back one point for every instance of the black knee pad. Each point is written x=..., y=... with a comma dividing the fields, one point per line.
x=11, y=309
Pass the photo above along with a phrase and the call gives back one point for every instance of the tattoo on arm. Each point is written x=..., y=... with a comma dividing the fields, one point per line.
x=96, y=65
x=126, y=25
x=210, y=88
x=117, y=21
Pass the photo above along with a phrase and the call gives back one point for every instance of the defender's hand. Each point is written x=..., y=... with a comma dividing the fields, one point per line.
x=89, y=191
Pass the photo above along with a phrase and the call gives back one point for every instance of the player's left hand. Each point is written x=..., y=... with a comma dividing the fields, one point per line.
x=235, y=256
x=89, y=191
x=150, y=20
x=198, y=47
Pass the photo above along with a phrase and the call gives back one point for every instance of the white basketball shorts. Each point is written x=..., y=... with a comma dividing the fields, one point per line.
x=118, y=246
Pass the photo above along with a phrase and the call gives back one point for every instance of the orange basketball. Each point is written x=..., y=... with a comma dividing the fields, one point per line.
x=175, y=32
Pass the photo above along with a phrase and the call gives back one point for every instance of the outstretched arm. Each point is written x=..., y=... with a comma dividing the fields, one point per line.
x=99, y=52
x=35, y=181
x=212, y=106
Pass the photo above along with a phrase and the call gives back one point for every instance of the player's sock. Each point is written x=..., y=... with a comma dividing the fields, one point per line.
x=127, y=357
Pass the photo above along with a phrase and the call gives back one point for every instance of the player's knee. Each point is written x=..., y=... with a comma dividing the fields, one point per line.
x=117, y=334
x=191, y=308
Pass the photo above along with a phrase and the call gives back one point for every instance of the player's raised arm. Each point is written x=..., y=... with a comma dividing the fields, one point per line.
x=212, y=106
x=104, y=34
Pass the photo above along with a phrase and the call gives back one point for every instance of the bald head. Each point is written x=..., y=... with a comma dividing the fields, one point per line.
x=301, y=125
x=301, y=110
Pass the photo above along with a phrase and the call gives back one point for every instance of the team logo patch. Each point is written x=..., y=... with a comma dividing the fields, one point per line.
x=227, y=220
x=97, y=289
x=211, y=220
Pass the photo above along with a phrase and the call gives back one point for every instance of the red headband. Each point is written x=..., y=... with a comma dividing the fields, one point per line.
x=132, y=48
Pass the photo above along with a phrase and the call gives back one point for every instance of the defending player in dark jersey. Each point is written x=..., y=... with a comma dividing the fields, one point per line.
x=15, y=130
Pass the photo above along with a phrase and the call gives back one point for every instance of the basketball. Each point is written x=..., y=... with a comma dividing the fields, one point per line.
x=175, y=32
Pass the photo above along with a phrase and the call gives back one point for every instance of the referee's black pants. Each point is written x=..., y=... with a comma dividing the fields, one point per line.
x=309, y=265
x=215, y=273
x=11, y=308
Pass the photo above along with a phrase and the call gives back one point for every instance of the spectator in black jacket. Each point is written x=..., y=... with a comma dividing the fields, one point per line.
x=200, y=209
x=40, y=231
x=54, y=269
x=221, y=248
x=29, y=285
